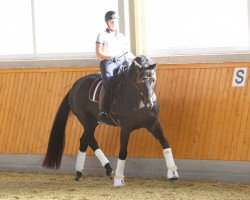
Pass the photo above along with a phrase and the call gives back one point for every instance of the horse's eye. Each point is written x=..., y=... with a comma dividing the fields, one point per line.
x=144, y=79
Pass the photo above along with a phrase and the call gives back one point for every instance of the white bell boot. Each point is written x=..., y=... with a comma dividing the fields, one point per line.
x=119, y=181
x=172, y=174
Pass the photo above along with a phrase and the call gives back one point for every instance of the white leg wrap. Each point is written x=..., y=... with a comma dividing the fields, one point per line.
x=120, y=168
x=80, y=161
x=100, y=155
x=118, y=180
x=172, y=169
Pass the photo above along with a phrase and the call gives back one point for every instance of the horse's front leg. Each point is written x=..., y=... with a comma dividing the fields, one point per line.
x=119, y=172
x=157, y=132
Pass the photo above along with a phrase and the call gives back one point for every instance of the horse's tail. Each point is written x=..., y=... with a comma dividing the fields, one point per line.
x=57, y=136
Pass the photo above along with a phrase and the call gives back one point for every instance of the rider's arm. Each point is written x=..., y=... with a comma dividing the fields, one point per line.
x=99, y=52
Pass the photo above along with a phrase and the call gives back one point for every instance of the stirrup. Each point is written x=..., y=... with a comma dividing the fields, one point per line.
x=102, y=117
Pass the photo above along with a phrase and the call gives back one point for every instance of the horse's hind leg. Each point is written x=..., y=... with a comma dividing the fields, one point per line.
x=100, y=155
x=157, y=132
x=86, y=140
x=81, y=156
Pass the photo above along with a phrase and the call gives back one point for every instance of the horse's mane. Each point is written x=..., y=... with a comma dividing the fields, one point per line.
x=123, y=69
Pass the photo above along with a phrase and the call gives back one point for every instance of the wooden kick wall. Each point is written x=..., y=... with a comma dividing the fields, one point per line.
x=203, y=116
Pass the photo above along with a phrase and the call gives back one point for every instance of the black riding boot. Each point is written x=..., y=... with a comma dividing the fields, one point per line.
x=103, y=105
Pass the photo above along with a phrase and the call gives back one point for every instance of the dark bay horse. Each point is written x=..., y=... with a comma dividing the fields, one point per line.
x=135, y=107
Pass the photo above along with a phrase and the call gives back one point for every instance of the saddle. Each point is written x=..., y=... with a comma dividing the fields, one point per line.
x=95, y=90
x=116, y=82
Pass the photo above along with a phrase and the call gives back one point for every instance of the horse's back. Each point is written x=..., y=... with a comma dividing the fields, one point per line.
x=87, y=80
x=79, y=93
x=90, y=77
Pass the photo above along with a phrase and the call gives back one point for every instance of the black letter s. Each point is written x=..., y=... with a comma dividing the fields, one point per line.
x=239, y=75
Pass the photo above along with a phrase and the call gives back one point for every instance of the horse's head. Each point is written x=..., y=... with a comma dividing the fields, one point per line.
x=144, y=77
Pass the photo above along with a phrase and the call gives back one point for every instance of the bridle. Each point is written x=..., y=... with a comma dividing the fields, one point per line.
x=139, y=80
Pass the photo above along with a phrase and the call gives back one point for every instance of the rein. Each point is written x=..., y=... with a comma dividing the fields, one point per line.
x=120, y=76
x=123, y=73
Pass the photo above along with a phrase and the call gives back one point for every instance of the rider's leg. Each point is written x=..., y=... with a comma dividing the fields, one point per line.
x=107, y=68
x=104, y=101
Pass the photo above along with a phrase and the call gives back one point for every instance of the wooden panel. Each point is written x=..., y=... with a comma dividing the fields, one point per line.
x=203, y=116
x=244, y=134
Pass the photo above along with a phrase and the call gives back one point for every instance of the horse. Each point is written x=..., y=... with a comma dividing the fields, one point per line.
x=135, y=106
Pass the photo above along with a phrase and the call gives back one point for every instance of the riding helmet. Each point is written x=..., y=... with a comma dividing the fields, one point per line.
x=111, y=15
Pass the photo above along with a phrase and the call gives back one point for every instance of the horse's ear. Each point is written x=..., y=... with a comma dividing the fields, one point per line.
x=153, y=66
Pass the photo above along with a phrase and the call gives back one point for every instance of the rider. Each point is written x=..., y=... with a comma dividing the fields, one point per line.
x=112, y=48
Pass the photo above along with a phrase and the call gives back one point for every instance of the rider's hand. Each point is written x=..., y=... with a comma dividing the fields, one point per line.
x=115, y=59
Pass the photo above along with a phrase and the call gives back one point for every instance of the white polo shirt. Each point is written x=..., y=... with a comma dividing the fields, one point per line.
x=114, y=43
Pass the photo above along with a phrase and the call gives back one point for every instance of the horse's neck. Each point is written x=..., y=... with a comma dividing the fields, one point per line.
x=129, y=91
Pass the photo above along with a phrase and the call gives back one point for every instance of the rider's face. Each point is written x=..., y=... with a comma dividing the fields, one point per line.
x=113, y=24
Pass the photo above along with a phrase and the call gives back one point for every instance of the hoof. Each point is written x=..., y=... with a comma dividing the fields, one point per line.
x=119, y=182
x=110, y=175
x=109, y=171
x=173, y=179
x=78, y=176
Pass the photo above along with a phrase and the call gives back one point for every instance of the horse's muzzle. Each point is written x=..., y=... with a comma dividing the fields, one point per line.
x=149, y=103
x=149, y=106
